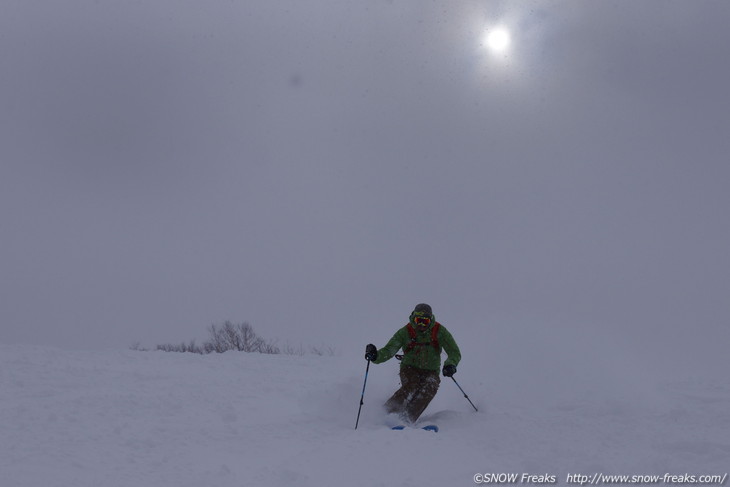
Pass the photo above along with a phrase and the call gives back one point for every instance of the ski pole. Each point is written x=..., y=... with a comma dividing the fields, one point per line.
x=462, y=391
x=362, y=396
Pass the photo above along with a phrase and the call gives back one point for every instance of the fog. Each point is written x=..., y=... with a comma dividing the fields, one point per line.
x=318, y=168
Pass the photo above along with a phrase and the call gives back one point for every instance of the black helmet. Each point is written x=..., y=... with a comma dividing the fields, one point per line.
x=423, y=309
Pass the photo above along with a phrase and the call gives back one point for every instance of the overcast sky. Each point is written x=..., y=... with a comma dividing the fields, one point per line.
x=318, y=168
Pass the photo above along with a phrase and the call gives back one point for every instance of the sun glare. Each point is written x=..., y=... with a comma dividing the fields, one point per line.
x=498, y=39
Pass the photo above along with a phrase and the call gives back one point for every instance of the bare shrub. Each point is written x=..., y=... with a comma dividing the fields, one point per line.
x=189, y=347
x=238, y=337
x=323, y=350
x=292, y=350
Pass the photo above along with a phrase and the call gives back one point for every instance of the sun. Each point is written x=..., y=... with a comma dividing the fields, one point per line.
x=497, y=39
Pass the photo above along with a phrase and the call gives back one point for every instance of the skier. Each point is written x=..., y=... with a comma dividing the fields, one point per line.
x=422, y=340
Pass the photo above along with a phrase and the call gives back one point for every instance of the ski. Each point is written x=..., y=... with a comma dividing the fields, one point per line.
x=428, y=427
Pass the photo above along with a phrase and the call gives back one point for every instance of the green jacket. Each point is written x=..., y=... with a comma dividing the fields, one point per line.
x=423, y=356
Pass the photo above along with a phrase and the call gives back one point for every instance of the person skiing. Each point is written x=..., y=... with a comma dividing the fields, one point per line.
x=422, y=340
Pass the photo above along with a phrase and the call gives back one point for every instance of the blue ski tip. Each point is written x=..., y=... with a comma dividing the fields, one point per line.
x=399, y=427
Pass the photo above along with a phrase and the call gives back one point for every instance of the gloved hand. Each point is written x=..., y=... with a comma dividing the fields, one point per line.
x=449, y=370
x=371, y=353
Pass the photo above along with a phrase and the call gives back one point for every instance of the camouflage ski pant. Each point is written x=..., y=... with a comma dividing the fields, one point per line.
x=418, y=388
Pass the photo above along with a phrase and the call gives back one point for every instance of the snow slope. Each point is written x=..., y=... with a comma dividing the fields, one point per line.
x=126, y=418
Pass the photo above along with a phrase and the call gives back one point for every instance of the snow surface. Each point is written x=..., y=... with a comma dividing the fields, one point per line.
x=130, y=418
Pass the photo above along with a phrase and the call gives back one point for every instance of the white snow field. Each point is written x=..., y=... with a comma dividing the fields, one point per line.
x=130, y=418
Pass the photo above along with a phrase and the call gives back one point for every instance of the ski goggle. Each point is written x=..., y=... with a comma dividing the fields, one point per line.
x=422, y=320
